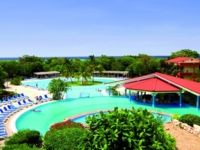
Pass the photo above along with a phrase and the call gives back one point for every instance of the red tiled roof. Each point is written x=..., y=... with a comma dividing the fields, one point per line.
x=153, y=85
x=187, y=84
x=146, y=83
x=178, y=59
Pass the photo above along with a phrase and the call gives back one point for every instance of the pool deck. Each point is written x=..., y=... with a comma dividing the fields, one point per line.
x=28, y=91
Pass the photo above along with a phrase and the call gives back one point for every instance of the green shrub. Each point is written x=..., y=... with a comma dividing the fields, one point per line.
x=176, y=116
x=64, y=139
x=190, y=119
x=16, y=81
x=126, y=130
x=66, y=124
x=20, y=147
x=29, y=137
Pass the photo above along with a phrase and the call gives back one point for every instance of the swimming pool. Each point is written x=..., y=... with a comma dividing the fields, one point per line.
x=57, y=111
x=75, y=90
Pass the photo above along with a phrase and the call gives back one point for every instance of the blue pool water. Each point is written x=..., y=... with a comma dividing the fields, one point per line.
x=57, y=111
x=75, y=91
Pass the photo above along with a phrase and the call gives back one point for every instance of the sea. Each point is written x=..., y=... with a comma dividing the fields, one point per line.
x=73, y=57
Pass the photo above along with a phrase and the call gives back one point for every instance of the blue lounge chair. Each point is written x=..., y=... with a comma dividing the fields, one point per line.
x=16, y=107
x=15, y=98
x=12, y=108
x=47, y=97
x=3, y=135
x=9, y=110
x=4, y=114
x=23, y=96
x=4, y=100
x=9, y=99
x=21, y=104
x=27, y=103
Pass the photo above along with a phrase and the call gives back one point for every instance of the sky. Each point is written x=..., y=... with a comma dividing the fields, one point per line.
x=56, y=28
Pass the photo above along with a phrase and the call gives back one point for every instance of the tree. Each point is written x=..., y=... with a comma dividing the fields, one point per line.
x=185, y=53
x=145, y=61
x=3, y=76
x=126, y=130
x=84, y=72
x=58, y=87
x=94, y=66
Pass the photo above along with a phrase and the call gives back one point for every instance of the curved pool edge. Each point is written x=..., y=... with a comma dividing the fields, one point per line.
x=98, y=111
x=13, y=121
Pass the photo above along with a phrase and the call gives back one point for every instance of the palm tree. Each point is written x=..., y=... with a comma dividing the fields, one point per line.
x=69, y=69
x=84, y=72
x=58, y=87
x=93, y=66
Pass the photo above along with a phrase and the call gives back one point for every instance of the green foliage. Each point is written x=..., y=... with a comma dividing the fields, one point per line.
x=126, y=130
x=185, y=53
x=175, y=116
x=30, y=137
x=16, y=81
x=3, y=76
x=20, y=147
x=190, y=119
x=114, y=91
x=66, y=124
x=57, y=87
x=65, y=139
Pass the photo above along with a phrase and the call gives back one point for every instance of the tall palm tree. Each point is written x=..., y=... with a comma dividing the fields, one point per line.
x=69, y=69
x=58, y=87
x=84, y=72
x=93, y=66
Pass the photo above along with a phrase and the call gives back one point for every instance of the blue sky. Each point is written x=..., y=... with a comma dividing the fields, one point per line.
x=98, y=27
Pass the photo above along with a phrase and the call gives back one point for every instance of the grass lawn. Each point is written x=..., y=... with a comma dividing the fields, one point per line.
x=79, y=83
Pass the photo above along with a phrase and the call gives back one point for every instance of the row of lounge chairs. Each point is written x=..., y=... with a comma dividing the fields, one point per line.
x=8, y=110
x=14, y=98
x=12, y=106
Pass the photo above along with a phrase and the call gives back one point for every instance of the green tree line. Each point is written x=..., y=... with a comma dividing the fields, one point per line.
x=138, y=65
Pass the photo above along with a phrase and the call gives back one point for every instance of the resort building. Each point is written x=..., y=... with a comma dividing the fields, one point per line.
x=158, y=83
x=188, y=67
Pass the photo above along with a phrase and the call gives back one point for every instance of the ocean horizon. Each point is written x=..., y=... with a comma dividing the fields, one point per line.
x=75, y=57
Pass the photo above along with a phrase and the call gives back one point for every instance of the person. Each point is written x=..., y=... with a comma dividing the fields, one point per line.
x=38, y=98
x=36, y=84
x=34, y=110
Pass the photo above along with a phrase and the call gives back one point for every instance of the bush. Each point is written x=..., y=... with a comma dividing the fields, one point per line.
x=30, y=137
x=16, y=81
x=20, y=147
x=176, y=116
x=64, y=139
x=66, y=124
x=190, y=119
x=126, y=130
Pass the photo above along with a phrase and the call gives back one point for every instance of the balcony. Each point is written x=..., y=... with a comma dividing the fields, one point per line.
x=180, y=73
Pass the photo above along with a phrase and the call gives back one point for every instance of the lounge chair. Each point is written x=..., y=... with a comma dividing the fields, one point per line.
x=27, y=103
x=3, y=135
x=23, y=96
x=16, y=98
x=11, y=107
x=4, y=100
x=9, y=110
x=4, y=114
x=10, y=99
x=16, y=106
x=47, y=97
x=20, y=104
